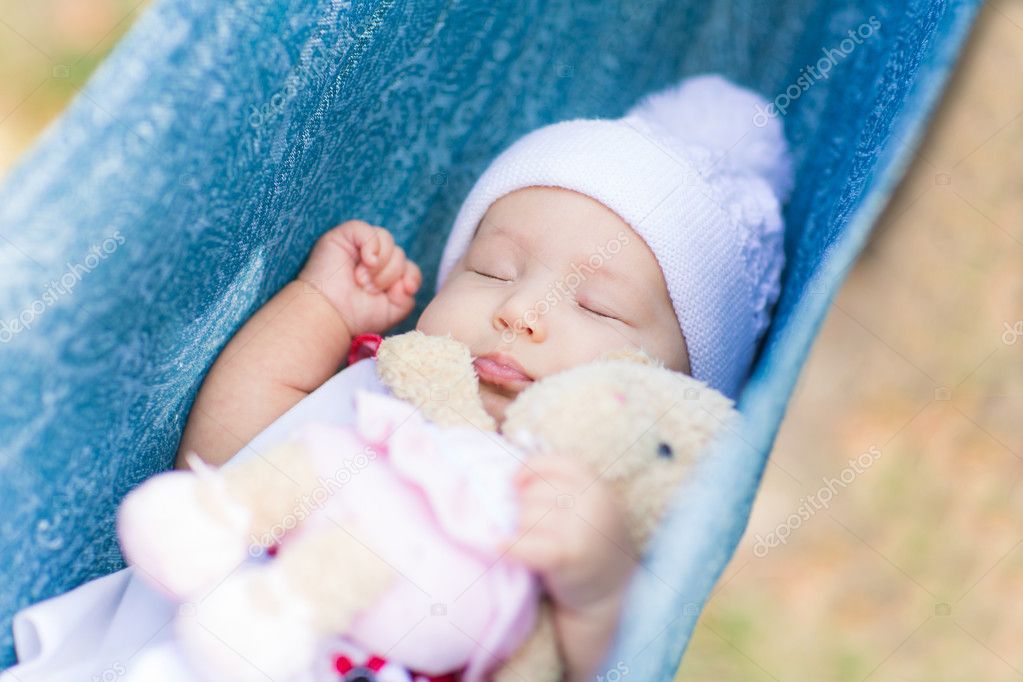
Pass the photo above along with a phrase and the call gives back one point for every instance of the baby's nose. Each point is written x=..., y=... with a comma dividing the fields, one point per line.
x=517, y=315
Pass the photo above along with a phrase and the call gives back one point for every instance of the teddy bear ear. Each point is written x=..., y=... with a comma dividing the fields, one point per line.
x=633, y=355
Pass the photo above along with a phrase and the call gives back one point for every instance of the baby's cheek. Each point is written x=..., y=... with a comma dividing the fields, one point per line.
x=438, y=317
x=590, y=341
x=459, y=311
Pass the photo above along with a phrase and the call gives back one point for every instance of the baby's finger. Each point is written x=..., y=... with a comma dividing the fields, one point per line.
x=571, y=471
x=538, y=494
x=355, y=229
x=402, y=300
x=552, y=470
x=527, y=480
x=539, y=550
x=391, y=269
x=538, y=511
x=379, y=256
x=354, y=234
x=412, y=278
x=368, y=245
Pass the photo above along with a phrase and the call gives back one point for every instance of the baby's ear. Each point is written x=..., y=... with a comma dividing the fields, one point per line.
x=632, y=354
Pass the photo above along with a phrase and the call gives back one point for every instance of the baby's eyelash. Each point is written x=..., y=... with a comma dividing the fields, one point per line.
x=597, y=312
x=489, y=276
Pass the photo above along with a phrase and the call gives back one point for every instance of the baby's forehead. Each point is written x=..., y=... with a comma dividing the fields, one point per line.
x=489, y=227
x=506, y=240
x=517, y=240
x=511, y=237
x=616, y=258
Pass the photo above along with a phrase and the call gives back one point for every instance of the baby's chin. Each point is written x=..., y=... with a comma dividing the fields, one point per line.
x=495, y=402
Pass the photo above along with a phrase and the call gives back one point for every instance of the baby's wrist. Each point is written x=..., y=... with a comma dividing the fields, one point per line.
x=607, y=604
x=586, y=633
x=313, y=291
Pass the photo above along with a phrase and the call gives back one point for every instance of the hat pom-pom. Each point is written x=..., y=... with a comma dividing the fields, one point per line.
x=733, y=122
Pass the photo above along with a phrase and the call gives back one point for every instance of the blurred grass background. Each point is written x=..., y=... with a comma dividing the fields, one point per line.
x=48, y=48
x=913, y=570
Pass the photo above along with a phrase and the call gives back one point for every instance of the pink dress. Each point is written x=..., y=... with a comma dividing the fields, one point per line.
x=446, y=491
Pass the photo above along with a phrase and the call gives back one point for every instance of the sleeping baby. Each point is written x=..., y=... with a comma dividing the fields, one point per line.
x=660, y=230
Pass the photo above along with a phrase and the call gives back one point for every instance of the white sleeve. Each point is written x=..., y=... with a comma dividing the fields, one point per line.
x=333, y=403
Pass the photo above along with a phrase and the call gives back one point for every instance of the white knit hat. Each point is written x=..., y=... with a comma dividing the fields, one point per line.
x=700, y=178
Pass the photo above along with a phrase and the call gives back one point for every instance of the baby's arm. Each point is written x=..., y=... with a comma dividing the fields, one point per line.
x=573, y=533
x=355, y=281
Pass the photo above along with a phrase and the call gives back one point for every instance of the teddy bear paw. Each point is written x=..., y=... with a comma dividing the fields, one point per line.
x=251, y=626
x=182, y=535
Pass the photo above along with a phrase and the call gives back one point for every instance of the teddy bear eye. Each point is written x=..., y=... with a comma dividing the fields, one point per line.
x=664, y=450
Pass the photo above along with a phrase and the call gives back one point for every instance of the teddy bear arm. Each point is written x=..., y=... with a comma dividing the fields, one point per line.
x=268, y=485
x=335, y=573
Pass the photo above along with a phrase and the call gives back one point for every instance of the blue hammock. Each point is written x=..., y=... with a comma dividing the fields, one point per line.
x=188, y=180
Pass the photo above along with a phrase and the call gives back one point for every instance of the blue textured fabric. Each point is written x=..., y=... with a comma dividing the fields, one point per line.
x=189, y=179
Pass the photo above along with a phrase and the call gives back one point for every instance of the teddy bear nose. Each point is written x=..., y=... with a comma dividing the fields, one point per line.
x=360, y=675
x=664, y=450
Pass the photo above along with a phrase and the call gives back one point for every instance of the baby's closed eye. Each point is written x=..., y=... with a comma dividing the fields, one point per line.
x=599, y=312
x=490, y=275
x=598, y=308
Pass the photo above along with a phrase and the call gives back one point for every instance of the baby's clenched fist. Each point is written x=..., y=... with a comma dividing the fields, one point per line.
x=365, y=276
x=572, y=531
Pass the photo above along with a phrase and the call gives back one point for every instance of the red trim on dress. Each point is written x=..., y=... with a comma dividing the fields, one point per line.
x=364, y=346
x=343, y=664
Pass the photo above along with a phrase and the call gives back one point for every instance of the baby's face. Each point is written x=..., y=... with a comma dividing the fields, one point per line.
x=552, y=279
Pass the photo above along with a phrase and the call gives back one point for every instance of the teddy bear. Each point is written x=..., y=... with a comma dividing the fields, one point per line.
x=388, y=532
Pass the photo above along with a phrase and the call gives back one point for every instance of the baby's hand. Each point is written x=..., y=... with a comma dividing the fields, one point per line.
x=572, y=532
x=365, y=275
